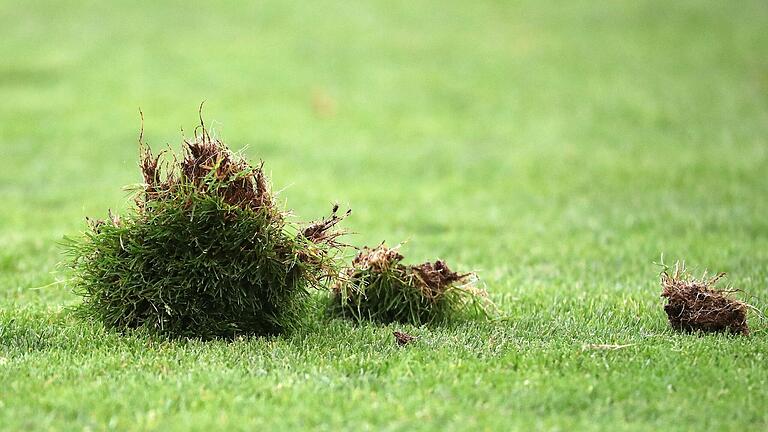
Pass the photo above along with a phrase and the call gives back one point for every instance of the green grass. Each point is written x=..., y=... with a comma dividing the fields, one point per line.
x=557, y=148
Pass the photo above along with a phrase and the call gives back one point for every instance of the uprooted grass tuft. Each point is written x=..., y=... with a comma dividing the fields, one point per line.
x=204, y=253
x=379, y=288
x=695, y=305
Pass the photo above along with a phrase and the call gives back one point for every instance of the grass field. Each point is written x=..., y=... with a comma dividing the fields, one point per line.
x=558, y=148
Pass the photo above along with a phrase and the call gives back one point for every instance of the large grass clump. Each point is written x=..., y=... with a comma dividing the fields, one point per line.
x=378, y=287
x=205, y=252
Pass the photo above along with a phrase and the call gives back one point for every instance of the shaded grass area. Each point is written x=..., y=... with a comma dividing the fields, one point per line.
x=556, y=149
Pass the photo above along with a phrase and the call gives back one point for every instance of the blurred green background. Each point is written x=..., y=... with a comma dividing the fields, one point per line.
x=559, y=148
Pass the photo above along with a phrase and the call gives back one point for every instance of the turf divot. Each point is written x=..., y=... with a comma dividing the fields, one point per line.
x=378, y=287
x=204, y=252
x=696, y=305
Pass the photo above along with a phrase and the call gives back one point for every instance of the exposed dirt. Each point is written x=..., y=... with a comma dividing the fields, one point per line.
x=207, y=162
x=378, y=259
x=403, y=338
x=321, y=231
x=694, y=304
x=436, y=277
x=433, y=278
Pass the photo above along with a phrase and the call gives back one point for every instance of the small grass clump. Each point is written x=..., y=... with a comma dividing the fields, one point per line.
x=695, y=305
x=377, y=287
x=205, y=252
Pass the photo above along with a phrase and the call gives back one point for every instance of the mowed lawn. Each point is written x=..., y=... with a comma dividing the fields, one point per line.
x=557, y=148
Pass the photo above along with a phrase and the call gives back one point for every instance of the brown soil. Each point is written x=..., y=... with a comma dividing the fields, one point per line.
x=694, y=304
x=205, y=159
x=403, y=338
x=433, y=278
x=208, y=162
x=321, y=231
x=436, y=277
x=378, y=259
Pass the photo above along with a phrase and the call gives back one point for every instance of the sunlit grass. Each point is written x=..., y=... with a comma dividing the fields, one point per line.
x=555, y=149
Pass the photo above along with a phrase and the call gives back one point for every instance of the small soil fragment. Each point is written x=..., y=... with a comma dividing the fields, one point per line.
x=694, y=304
x=403, y=338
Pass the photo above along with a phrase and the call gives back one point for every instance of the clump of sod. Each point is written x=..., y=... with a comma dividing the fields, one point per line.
x=205, y=252
x=696, y=305
x=378, y=287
